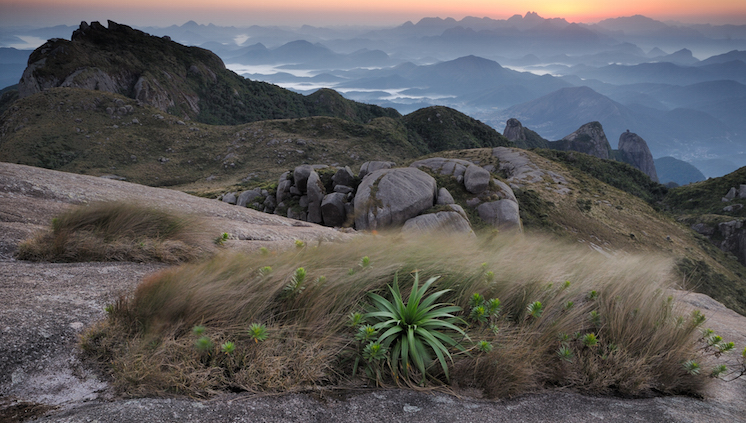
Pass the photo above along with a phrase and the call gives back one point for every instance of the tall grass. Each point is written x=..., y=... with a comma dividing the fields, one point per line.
x=149, y=343
x=118, y=231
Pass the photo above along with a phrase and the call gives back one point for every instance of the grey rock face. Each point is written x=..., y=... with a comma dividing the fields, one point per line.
x=444, y=197
x=514, y=130
x=742, y=191
x=731, y=194
x=344, y=177
x=502, y=214
x=315, y=190
x=283, y=189
x=446, y=221
x=589, y=138
x=300, y=176
x=634, y=150
x=453, y=167
x=344, y=189
x=390, y=197
x=333, y=209
x=476, y=179
x=247, y=197
x=369, y=167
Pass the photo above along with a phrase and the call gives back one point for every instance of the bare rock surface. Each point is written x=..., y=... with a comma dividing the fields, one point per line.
x=46, y=305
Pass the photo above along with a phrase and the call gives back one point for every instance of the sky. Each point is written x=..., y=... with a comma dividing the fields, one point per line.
x=164, y=13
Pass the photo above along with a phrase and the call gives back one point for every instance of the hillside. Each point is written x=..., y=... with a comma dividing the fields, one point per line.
x=611, y=208
x=97, y=133
x=189, y=82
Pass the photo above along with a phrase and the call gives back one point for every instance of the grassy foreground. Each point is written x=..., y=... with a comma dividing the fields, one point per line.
x=118, y=231
x=601, y=325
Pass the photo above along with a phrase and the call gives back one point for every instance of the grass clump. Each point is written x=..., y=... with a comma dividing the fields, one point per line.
x=117, y=231
x=341, y=324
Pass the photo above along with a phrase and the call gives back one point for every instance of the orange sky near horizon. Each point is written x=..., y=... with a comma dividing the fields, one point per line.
x=344, y=12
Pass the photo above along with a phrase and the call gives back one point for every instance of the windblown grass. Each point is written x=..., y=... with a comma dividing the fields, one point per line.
x=117, y=231
x=148, y=344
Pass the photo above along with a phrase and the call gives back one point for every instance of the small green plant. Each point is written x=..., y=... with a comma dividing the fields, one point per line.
x=568, y=305
x=479, y=314
x=109, y=308
x=296, y=284
x=299, y=244
x=691, y=367
x=489, y=276
x=476, y=299
x=566, y=285
x=228, y=348
x=718, y=370
x=484, y=346
x=264, y=251
x=258, y=332
x=198, y=330
x=565, y=353
x=364, y=262
x=265, y=271
x=590, y=340
x=203, y=344
x=356, y=319
x=592, y=295
x=535, y=309
x=221, y=239
x=366, y=333
x=416, y=328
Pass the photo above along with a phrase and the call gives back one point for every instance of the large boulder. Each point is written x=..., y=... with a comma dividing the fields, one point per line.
x=476, y=179
x=452, y=167
x=502, y=214
x=444, y=197
x=315, y=190
x=300, y=176
x=634, y=150
x=333, y=209
x=390, y=197
x=247, y=197
x=369, y=167
x=444, y=221
x=343, y=176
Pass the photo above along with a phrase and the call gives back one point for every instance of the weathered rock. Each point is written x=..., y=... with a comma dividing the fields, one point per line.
x=344, y=189
x=634, y=150
x=731, y=194
x=390, y=197
x=369, y=167
x=344, y=177
x=453, y=167
x=589, y=139
x=333, y=209
x=476, y=179
x=247, y=197
x=269, y=204
x=473, y=202
x=444, y=197
x=505, y=191
x=742, y=191
x=230, y=198
x=283, y=189
x=445, y=221
x=732, y=208
x=502, y=214
x=300, y=176
x=315, y=190
x=303, y=201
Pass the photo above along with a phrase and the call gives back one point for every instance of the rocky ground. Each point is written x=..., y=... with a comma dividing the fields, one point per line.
x=45, y=306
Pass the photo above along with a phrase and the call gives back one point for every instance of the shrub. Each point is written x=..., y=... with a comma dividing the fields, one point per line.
x=310, y=337
x=118, y=231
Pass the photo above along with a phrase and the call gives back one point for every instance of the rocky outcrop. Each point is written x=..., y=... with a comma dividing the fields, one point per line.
x=523, y=137
x=728, y=236
x=514, y=130
x=450, y=221
x=634, y=150
x=389, y=197
x=589, y=139
x=502, y=214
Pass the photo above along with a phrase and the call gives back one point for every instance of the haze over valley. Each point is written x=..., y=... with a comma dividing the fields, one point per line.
x=681, y=87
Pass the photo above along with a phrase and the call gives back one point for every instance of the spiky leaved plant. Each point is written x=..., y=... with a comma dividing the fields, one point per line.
x=415, y=329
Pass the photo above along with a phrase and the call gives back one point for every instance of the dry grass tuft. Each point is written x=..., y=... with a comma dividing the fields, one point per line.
x=149, y=342
x=117, y=231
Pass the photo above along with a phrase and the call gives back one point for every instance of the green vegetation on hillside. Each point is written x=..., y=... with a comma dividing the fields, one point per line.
x=442, y=128
x=617, y=174
x=705, y=197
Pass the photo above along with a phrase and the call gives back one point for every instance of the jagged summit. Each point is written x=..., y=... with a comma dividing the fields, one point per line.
x=634, y=150
x=589, y=138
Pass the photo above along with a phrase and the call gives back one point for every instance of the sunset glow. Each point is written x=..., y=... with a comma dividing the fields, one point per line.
x=343, y=12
